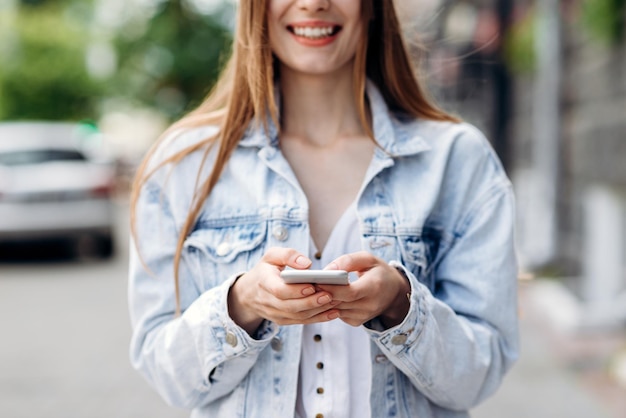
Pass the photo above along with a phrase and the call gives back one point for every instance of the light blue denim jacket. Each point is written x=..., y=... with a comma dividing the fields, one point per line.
x=435, y=201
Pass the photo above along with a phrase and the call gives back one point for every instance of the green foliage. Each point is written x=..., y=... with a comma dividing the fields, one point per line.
x=519, y=44
x=170, y=65
x=605, y=19
x=175, y=62
x=43, y=74
x=32, y=2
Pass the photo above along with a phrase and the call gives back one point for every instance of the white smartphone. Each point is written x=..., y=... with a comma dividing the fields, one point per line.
x=316, y=276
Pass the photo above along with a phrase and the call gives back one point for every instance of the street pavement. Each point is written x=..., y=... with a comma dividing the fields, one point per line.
x=64, y=344
x=64, y=352
x=558, y=375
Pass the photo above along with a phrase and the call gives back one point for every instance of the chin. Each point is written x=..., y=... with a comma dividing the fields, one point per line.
x=317, y=68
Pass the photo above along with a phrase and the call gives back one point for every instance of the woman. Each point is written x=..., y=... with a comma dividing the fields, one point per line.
x=319, y=149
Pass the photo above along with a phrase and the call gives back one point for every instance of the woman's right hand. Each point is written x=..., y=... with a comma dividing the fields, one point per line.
x=262, y=294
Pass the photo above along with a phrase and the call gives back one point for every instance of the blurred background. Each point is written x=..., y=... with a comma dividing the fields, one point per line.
x=86, y=86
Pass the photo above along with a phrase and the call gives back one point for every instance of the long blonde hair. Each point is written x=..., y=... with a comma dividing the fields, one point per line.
x=244, y=93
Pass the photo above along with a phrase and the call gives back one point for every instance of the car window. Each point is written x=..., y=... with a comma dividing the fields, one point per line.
x=39, y=156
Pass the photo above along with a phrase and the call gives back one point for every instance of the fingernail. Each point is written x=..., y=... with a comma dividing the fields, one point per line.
x=333, y=315
x=323, y=300
x=308, y=291
x=302, y=261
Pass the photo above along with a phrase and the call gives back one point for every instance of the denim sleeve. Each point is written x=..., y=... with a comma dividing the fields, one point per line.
x=456, y=345
x=200, y=356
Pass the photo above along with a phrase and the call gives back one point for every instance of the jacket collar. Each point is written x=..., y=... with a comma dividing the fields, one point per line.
x=394, y=136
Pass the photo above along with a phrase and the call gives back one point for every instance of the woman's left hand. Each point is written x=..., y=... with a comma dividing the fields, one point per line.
x=381, y=290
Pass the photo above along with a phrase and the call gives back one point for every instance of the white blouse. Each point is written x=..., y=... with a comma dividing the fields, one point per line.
x=335, y=369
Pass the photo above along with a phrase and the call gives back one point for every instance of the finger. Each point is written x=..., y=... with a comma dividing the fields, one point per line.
x=355, y=322
x=359, y=261
x=341, y=292
x=355, y=291
x=292, y=298
x=282, y=257
x=295, y=291
x=361, y=309
x=296, y=314
x=300, y=308
x=355, y=317
x=324, y=316
x=284, y=291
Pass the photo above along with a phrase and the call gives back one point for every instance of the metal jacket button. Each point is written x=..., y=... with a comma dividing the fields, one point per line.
x=231, y=339
x=398, y=339
x=222, y=249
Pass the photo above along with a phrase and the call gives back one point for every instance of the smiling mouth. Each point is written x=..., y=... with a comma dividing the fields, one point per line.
x=314, y=32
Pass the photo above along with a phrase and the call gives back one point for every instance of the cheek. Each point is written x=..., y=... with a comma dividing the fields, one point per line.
x=275, y=41
x=274, y=28
x=275, y=9
x=356, y=42
x=351, y=8
x=353, y=44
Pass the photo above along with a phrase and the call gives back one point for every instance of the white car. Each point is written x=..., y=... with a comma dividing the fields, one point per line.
x=53, y=185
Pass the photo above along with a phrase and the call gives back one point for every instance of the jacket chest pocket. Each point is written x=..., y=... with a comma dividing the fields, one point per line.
x=223, y=251
x=417, y=257
x=416, y=253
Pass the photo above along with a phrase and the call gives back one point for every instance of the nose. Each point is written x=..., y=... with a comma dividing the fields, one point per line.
x=314, y=5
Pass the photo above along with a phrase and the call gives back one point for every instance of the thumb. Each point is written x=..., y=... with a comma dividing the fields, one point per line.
x=282, y=257
x=359, y=261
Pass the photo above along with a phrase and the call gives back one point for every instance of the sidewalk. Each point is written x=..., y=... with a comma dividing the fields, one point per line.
x=559, y=374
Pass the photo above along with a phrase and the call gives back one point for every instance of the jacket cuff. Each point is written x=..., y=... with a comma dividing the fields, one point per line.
x=225, y=338
x=400, y=337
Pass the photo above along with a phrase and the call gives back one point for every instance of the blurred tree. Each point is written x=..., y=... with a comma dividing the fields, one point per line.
x=605, y=19
x=519, y=47
x=168, y=62
x=173, y=64
x=32, y=2
x=42, y=70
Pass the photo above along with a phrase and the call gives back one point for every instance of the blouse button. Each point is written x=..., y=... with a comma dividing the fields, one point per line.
x=280, y=233
x=320, y=391
x=319, y=415
x=277, y=344
x=317, y=338
x=318, y=255
x=320, y=365
x=380, y=358
x=222, y=249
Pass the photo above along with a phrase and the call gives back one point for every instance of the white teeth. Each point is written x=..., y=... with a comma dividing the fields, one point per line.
x=313, y=32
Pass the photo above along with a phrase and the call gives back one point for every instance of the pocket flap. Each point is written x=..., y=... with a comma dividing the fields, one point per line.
x=224, y=244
